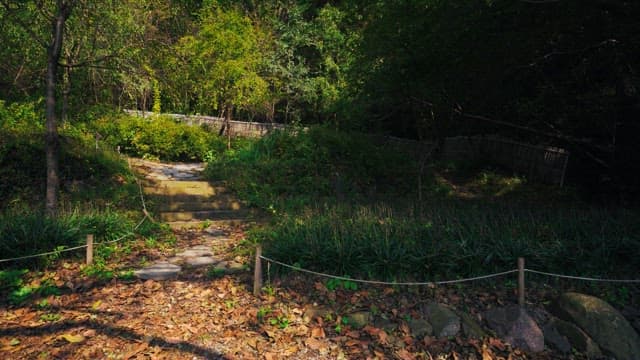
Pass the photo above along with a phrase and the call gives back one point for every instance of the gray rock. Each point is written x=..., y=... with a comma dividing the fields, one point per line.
x=514, y=325
x=553, y=337
x=196, y=251
x=359, y=319
x=420, y=328
x=158, y=271
x=215, y=232
x=577, y=338
x=444, y=321
x=470, y=327
x=201, y=261
x=604, y=324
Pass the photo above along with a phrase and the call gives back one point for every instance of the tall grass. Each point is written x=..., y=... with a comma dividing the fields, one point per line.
x=448, y=239
x=27, y=233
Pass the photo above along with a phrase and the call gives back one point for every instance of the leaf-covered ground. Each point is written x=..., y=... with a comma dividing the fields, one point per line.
x=203, y=315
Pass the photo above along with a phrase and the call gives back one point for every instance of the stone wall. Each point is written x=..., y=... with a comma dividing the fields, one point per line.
x=241, y=128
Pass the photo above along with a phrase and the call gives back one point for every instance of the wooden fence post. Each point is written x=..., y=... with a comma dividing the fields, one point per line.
x=89, y=249
x=521, y=282
x=257, y=272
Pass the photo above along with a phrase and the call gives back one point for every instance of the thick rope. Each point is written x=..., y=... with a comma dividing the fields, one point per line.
x=375, y=282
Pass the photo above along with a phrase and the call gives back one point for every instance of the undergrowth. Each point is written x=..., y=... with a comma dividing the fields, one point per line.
x=98, y=195
x=158, y=137
x=345, y=205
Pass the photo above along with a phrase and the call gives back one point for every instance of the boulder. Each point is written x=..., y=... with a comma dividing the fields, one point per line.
x=420, y=328
x=604, y=324
x=470, y=327
x=564, y=336
x=515, y=326
x=444, y=321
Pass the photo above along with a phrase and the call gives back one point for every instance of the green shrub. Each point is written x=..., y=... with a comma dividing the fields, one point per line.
x=157, y=137
x=299, y=165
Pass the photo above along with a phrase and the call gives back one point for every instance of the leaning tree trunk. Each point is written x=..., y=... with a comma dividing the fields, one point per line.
x=53, y=56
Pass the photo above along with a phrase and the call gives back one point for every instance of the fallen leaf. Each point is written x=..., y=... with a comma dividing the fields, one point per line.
x=353, y=334
x=384, y=338
x=136, y=350
x=74, y=339
x=497, y=343
x=318, y=332
x=404, y=355
x=486, y=354
x=96, y=305
x=14, y=342
x=89, y=333
x=314, y=344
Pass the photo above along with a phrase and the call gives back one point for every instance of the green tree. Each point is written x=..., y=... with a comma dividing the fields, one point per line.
x=220, y=66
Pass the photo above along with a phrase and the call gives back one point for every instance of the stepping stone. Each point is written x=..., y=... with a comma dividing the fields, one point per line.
x=196, y=251
x=215, y=232
x=201, y=261
x=158, y=271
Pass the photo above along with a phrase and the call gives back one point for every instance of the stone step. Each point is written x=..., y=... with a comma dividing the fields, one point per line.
x=220, y=203
x=188, y=188
x=171, y=216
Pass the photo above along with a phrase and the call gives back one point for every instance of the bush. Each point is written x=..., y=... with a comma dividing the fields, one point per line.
x=318, y=162
x=157, y=137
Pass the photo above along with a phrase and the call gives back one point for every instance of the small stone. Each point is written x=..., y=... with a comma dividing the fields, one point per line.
x=158, y=271
x=518, y=328
x=445, y=322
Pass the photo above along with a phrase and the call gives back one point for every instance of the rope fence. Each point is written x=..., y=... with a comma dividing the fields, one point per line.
x=90, y=244
x=521, y=270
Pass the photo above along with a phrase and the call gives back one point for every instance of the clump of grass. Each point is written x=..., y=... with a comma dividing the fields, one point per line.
x=27, y=233
x=455, y=239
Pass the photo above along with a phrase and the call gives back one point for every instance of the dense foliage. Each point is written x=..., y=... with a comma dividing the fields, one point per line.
x=318, y=162
x=99, y=195
x=157, y=137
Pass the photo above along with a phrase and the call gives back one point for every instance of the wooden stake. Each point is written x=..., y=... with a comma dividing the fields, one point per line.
x=257, y=272
x=521, y=282
x=89, y=249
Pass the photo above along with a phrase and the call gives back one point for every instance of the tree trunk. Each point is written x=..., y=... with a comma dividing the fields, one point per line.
x=63, y=11
x=227, y=121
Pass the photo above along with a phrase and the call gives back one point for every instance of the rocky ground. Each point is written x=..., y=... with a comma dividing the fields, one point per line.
x=194, y=300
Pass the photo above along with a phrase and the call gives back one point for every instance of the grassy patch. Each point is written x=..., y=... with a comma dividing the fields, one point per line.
x=448, y=239
x=346, y=205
